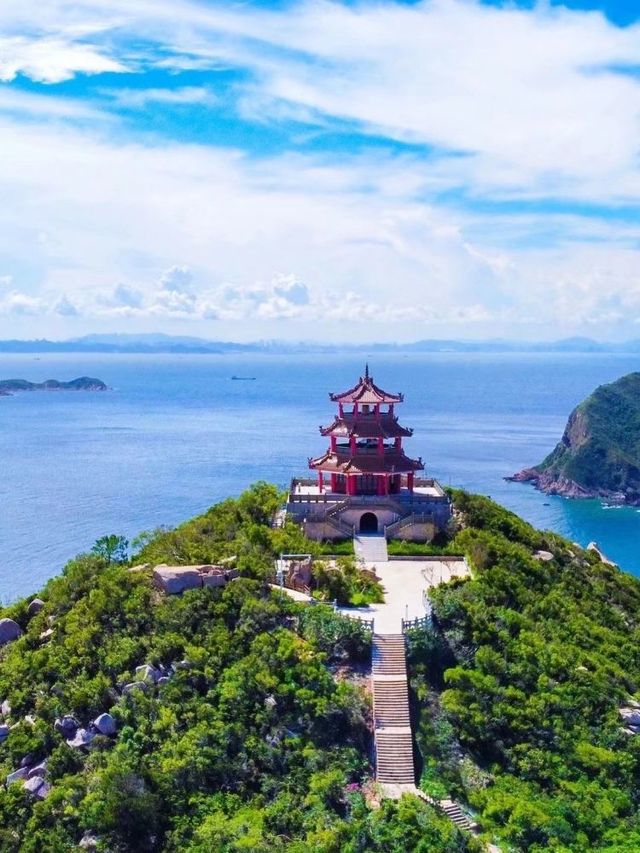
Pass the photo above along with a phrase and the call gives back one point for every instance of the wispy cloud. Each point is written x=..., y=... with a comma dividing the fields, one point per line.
x=133, y=99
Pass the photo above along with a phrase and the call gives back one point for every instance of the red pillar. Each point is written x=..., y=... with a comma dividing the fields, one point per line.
x=381, y=484
x=410, y=481
x=398, y=443
x=340, y=409
x=381, y=446
x=333, y=482
x=320, y=481
x=352, y=443
x=334, y=441
x=351, y=484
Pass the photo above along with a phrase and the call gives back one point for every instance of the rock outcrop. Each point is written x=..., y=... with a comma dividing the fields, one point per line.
x=35, y=606
x=105, y=724
x=599, y=453
x=173, y=580
x=9, y=630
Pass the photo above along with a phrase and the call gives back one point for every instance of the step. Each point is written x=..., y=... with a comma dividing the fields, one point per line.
x=393, y=739
x=455, y=814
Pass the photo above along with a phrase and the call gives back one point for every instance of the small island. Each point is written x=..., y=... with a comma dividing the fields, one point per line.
x=599, y=453
x=82, y=383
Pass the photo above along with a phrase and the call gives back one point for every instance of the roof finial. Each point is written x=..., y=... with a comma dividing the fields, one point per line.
x=366, y=371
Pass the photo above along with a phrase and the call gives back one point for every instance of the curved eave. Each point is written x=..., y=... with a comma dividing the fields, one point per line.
x=342, y=428
x=366, y=391
x=333, y=463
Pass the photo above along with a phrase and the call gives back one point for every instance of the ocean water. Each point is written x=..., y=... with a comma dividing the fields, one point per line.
x=175, y=434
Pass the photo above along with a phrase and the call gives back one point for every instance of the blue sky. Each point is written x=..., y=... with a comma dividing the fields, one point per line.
x=362, y=170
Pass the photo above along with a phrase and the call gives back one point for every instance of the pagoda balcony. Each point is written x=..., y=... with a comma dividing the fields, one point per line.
x=425, y=490
x=373, y=450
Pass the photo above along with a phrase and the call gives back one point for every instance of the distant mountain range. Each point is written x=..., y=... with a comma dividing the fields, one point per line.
x=160, y=343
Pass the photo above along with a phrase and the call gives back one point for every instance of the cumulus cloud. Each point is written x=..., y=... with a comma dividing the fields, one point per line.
x=177, y=279
x=65, y=307
x=290, y=289
x=16, y=302
x=125, y=296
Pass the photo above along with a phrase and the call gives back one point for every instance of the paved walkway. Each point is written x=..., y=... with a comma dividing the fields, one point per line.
x=371, y=548
x=405, y=583
x=292, y=593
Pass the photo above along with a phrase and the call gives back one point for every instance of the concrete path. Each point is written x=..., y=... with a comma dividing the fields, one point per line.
x=405, y=585
x=292, y=593
x=372, y=548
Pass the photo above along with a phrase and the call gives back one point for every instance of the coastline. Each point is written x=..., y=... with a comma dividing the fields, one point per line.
x=565, y=488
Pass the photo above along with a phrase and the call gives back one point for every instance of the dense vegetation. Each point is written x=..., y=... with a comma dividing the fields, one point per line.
x=519, y=684
x=258, y=741
x=599, y=453
x=260, y=738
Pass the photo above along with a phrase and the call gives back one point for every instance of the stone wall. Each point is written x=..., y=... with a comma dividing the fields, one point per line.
x=420, y=532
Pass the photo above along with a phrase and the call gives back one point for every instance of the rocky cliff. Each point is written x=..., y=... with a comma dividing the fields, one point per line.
x=599, y=453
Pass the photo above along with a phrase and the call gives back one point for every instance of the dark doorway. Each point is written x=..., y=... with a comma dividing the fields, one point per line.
x=368, y=523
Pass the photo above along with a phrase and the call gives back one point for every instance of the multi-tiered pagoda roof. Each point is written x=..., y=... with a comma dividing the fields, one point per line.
x=385, y=426
x=366, y=454
x=366, y=392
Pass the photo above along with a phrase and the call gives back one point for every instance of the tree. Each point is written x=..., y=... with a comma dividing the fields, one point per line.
x=112, y=548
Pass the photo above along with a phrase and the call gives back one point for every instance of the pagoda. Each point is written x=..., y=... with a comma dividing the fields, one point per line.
x=364, y=482
x=365, y=455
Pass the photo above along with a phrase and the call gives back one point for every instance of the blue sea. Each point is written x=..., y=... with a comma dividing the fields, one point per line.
x=175, y=434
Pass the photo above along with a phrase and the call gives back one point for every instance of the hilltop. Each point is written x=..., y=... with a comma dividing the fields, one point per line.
x=232, y=718
x=599, y=452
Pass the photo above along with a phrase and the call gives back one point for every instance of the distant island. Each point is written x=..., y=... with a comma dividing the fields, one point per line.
x=150, y=343
x=82, y=383
x=599, y=453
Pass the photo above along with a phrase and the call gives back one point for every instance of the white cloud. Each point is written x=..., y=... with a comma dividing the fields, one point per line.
x=532, y=97
x=290, y=289
x=355, y=243
x=65, y=307
x=46, y=106
x=16, y=302
x=141, y=98
x=528, y=97
x=177, y=279
x=51, y=60
x=124, y=296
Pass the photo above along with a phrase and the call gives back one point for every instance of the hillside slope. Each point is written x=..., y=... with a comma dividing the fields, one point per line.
x=599, y=453
x=241, y=738
x=249, y=740
x=521, y=683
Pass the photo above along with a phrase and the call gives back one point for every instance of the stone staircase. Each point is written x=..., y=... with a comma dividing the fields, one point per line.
x=371, y=548
x=396, y=527
x=392, y=728
x=457, y=816
x=392, y=725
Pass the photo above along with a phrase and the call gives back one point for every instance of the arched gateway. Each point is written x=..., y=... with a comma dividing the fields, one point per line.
x=368, y=523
